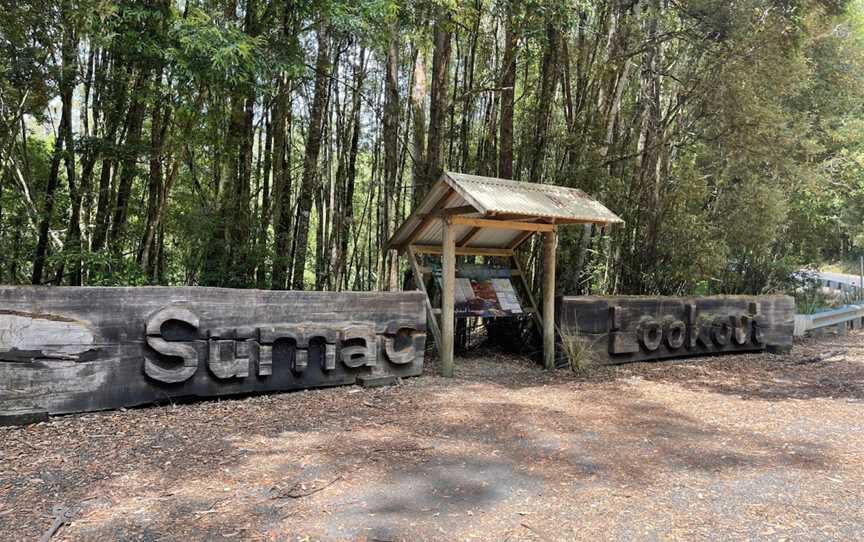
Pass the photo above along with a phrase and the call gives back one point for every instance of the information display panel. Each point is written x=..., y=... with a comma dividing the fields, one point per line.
x=482, y=290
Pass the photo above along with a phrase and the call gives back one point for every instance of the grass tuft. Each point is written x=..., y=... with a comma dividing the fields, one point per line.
x=578, y=349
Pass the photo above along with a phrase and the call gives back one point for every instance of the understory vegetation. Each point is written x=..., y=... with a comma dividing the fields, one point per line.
x=278, y=144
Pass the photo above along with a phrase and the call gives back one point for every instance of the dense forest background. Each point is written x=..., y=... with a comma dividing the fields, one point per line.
x=277, y=144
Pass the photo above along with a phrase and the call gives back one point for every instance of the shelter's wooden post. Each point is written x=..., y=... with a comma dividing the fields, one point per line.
x=550, y=239
x=448, y=288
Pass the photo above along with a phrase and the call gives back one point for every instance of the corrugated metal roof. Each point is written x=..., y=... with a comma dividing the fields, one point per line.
x=497, y=198
x=502, y=196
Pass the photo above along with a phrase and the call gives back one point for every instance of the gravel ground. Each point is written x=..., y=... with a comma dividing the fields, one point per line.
x=726, y=448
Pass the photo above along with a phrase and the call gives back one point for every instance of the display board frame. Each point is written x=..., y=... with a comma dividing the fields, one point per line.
x=424, y=277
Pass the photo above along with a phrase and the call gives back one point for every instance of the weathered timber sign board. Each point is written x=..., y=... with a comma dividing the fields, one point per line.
x=65, y=350
x=630, y=328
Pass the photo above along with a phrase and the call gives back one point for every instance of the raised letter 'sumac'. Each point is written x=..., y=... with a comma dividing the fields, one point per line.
x=239, y=352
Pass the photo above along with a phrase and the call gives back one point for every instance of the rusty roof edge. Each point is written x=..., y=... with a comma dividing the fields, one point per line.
x=614, y=219
x=453, y=180
x=534, y=187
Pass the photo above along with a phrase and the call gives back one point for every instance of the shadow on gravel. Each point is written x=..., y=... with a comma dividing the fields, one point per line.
x=804, y=375
x=403, y=460
x=433, y=466
x=835, y=374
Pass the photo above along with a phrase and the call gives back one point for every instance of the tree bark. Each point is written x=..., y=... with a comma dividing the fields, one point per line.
x=73, y=235
x=159, y=122
x=418, y=118
x=310, y=162
x=266, y=204
x=281, y=189
x=508, y=82
x=346, y=215
x=129, y=166
x=67, y=84
x=391, y=147
x=548, y=83
x=439, y=101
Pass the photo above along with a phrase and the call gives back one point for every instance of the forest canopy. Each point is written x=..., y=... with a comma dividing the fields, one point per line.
x=278, y=144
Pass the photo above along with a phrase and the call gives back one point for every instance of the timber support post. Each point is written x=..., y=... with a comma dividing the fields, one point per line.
x=448, y=288
x=550, y=240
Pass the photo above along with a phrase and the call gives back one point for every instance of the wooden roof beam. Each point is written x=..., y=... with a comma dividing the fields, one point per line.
x=472, y=233
x=424, y=222
x=518, y=217
x=516, y=243
x=450, y=211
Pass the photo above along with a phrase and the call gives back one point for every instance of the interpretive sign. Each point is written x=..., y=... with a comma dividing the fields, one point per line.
x=68, y=350
x=623, y=329
x=483, y=291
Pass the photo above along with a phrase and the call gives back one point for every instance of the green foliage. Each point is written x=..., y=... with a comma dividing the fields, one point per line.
x=728, y=135
x=809, y=296
x=206, y=48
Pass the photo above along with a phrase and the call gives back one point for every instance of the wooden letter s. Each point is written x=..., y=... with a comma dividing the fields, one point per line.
x=184, y=350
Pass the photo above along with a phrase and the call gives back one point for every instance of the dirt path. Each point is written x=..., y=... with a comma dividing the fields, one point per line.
x=725, y=448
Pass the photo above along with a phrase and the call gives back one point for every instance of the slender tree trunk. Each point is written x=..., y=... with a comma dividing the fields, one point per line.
x=345, y=220
x=159, y=121
x=281, y=189
x=439, y=98
x=103, y=204
x=266, y=204
x=418, y=114
x=391, y=149
x=67, y=83
x=282, y=254
x=310, y=162
x=111, y=78
x=320, y=234
x=467, y=94
x=73, y=234
x=548, y=82
x=129, y=166
x=508, y=83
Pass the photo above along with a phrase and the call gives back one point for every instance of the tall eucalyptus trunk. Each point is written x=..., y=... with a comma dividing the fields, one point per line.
x=308, y=183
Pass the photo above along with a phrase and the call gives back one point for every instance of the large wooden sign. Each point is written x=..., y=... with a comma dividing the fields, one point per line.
x=68, y=350
x=624, y=329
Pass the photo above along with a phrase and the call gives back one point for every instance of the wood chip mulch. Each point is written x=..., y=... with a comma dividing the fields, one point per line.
x=723, y=448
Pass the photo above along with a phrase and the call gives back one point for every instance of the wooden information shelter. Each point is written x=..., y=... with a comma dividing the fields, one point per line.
x=469, y=215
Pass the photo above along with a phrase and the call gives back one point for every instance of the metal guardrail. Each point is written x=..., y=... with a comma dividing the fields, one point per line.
x=843, y=286
x=849, y=316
